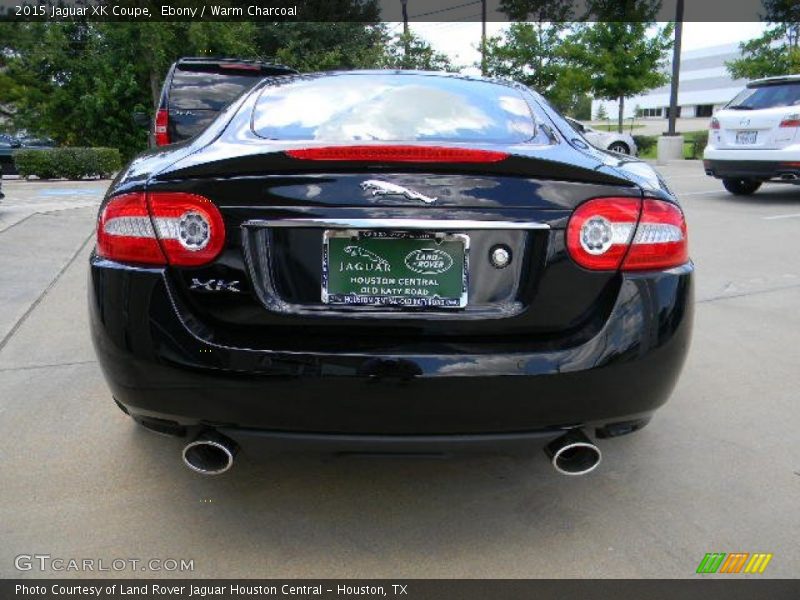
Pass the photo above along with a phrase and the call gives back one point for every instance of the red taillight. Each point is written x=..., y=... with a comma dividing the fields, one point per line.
x=422, y=154
x=125, y=232
x=714, y=124
x=606, y=234
x=160, y=228
x=599, y=231
x=162, y=122
x=792, y=120
x=660, y=241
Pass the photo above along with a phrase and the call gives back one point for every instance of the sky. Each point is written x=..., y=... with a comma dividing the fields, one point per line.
x=459, y=40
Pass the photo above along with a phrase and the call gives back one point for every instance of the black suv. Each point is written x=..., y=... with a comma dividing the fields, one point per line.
x=196, y=89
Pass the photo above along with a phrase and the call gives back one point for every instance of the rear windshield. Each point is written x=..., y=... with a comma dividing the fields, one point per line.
x=393, y=107
x=767, y=96
x=199, y=89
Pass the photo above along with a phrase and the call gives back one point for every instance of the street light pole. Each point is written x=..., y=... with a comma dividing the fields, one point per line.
x=406, y=45
x=670, y=145
x=483, y=37
x=676, y=68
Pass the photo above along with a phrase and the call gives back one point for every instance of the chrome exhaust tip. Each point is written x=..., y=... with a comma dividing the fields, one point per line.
x=573, y=453
x=210, y=454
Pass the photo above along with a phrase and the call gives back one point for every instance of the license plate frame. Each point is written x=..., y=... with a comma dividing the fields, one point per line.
x=747, y=137
x=336, y=295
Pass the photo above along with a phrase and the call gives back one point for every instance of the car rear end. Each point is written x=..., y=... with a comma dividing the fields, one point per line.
x=755, y=137
x=456, y=276
x=196, y=89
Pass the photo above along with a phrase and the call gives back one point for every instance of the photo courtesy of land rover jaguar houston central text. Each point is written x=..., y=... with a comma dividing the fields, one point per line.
x=390, y=262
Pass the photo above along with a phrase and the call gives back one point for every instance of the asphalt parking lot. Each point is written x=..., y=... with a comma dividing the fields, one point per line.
x=718, y=469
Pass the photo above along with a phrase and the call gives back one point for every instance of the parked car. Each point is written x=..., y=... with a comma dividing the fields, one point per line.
x=622, y=143
x=10, y=143
x=196, y=89
x=754, y=138
x=390, y=261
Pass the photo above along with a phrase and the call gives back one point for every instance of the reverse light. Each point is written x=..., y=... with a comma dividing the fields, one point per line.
x=606, y=234
x=420, y=154
x=792, y=120
x=714, y=123
x=162, y=122
x=160, y=228
x=660, y=241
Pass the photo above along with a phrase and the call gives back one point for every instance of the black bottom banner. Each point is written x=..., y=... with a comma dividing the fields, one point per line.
x=410, y=589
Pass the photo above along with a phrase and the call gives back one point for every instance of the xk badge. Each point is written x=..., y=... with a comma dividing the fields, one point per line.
x=214, y=285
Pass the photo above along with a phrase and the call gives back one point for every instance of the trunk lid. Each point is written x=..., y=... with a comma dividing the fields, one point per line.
x=269, y=280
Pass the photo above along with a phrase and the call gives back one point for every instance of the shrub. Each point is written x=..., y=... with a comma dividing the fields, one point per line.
x=698, y=143
x=644, y=142
x=67, y=163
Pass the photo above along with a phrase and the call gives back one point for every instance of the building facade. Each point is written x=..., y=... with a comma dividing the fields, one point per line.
x=705, y=86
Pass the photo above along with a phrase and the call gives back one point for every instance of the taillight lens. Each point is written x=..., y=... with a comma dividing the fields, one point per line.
x=600, y=230
x=162, y=123
x=714, y=124
x=660, y=241
x=125, y=232
x=792, y=120
x=189, y=227
x=422, y=154
x=160, y=228
x=606, y=234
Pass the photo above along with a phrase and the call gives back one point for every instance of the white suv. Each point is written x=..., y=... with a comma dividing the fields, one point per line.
x=755, y=138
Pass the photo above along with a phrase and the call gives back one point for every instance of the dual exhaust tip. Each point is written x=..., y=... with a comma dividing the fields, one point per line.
x=571, y=454
x=210, y=453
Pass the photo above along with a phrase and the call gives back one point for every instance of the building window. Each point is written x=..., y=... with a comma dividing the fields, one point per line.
x=666, y=112
x=651, y=112
x=704, y=110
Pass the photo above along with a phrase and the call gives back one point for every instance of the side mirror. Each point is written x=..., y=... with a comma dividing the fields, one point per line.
x=142, y=119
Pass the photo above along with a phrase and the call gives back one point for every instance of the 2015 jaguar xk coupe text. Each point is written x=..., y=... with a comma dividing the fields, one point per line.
x=398, y=262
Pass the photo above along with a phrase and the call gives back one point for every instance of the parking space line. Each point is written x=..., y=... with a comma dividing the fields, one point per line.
x=705, y=193
x=775, y=217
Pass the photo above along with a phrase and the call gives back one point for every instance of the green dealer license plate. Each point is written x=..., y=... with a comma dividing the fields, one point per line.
x=394, y=268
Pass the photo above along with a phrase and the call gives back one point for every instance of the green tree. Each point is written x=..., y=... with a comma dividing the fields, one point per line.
x=532, y=51
x=777, y=51
x=409, y=51
x=621, y=59
x=534, y=54
x=602, y=115
x=80, y=82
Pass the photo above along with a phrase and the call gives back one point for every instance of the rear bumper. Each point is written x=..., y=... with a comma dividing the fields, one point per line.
x=762, y=165
x=158, y=364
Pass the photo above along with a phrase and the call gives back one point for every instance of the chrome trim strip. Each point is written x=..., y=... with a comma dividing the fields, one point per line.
x=424, y=224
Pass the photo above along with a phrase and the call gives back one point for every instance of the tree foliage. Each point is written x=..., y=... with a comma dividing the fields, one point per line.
x=621, y=59
x=79, y=82
x=777, y=51
x=535, y=54
x=409, y=51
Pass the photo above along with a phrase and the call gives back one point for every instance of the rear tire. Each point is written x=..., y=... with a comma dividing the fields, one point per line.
x=741, y=187
x=620, y=148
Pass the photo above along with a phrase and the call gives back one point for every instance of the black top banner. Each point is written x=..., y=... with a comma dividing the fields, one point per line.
x=396, y=10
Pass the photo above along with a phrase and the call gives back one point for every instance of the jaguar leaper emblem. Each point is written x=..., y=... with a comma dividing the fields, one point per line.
x=384, y=188
x=364, y=260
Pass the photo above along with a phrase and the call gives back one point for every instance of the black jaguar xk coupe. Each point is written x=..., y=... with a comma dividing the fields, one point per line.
x=390, y=262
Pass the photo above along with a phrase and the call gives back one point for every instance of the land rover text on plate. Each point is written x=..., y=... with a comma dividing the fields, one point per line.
x=399, y=262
